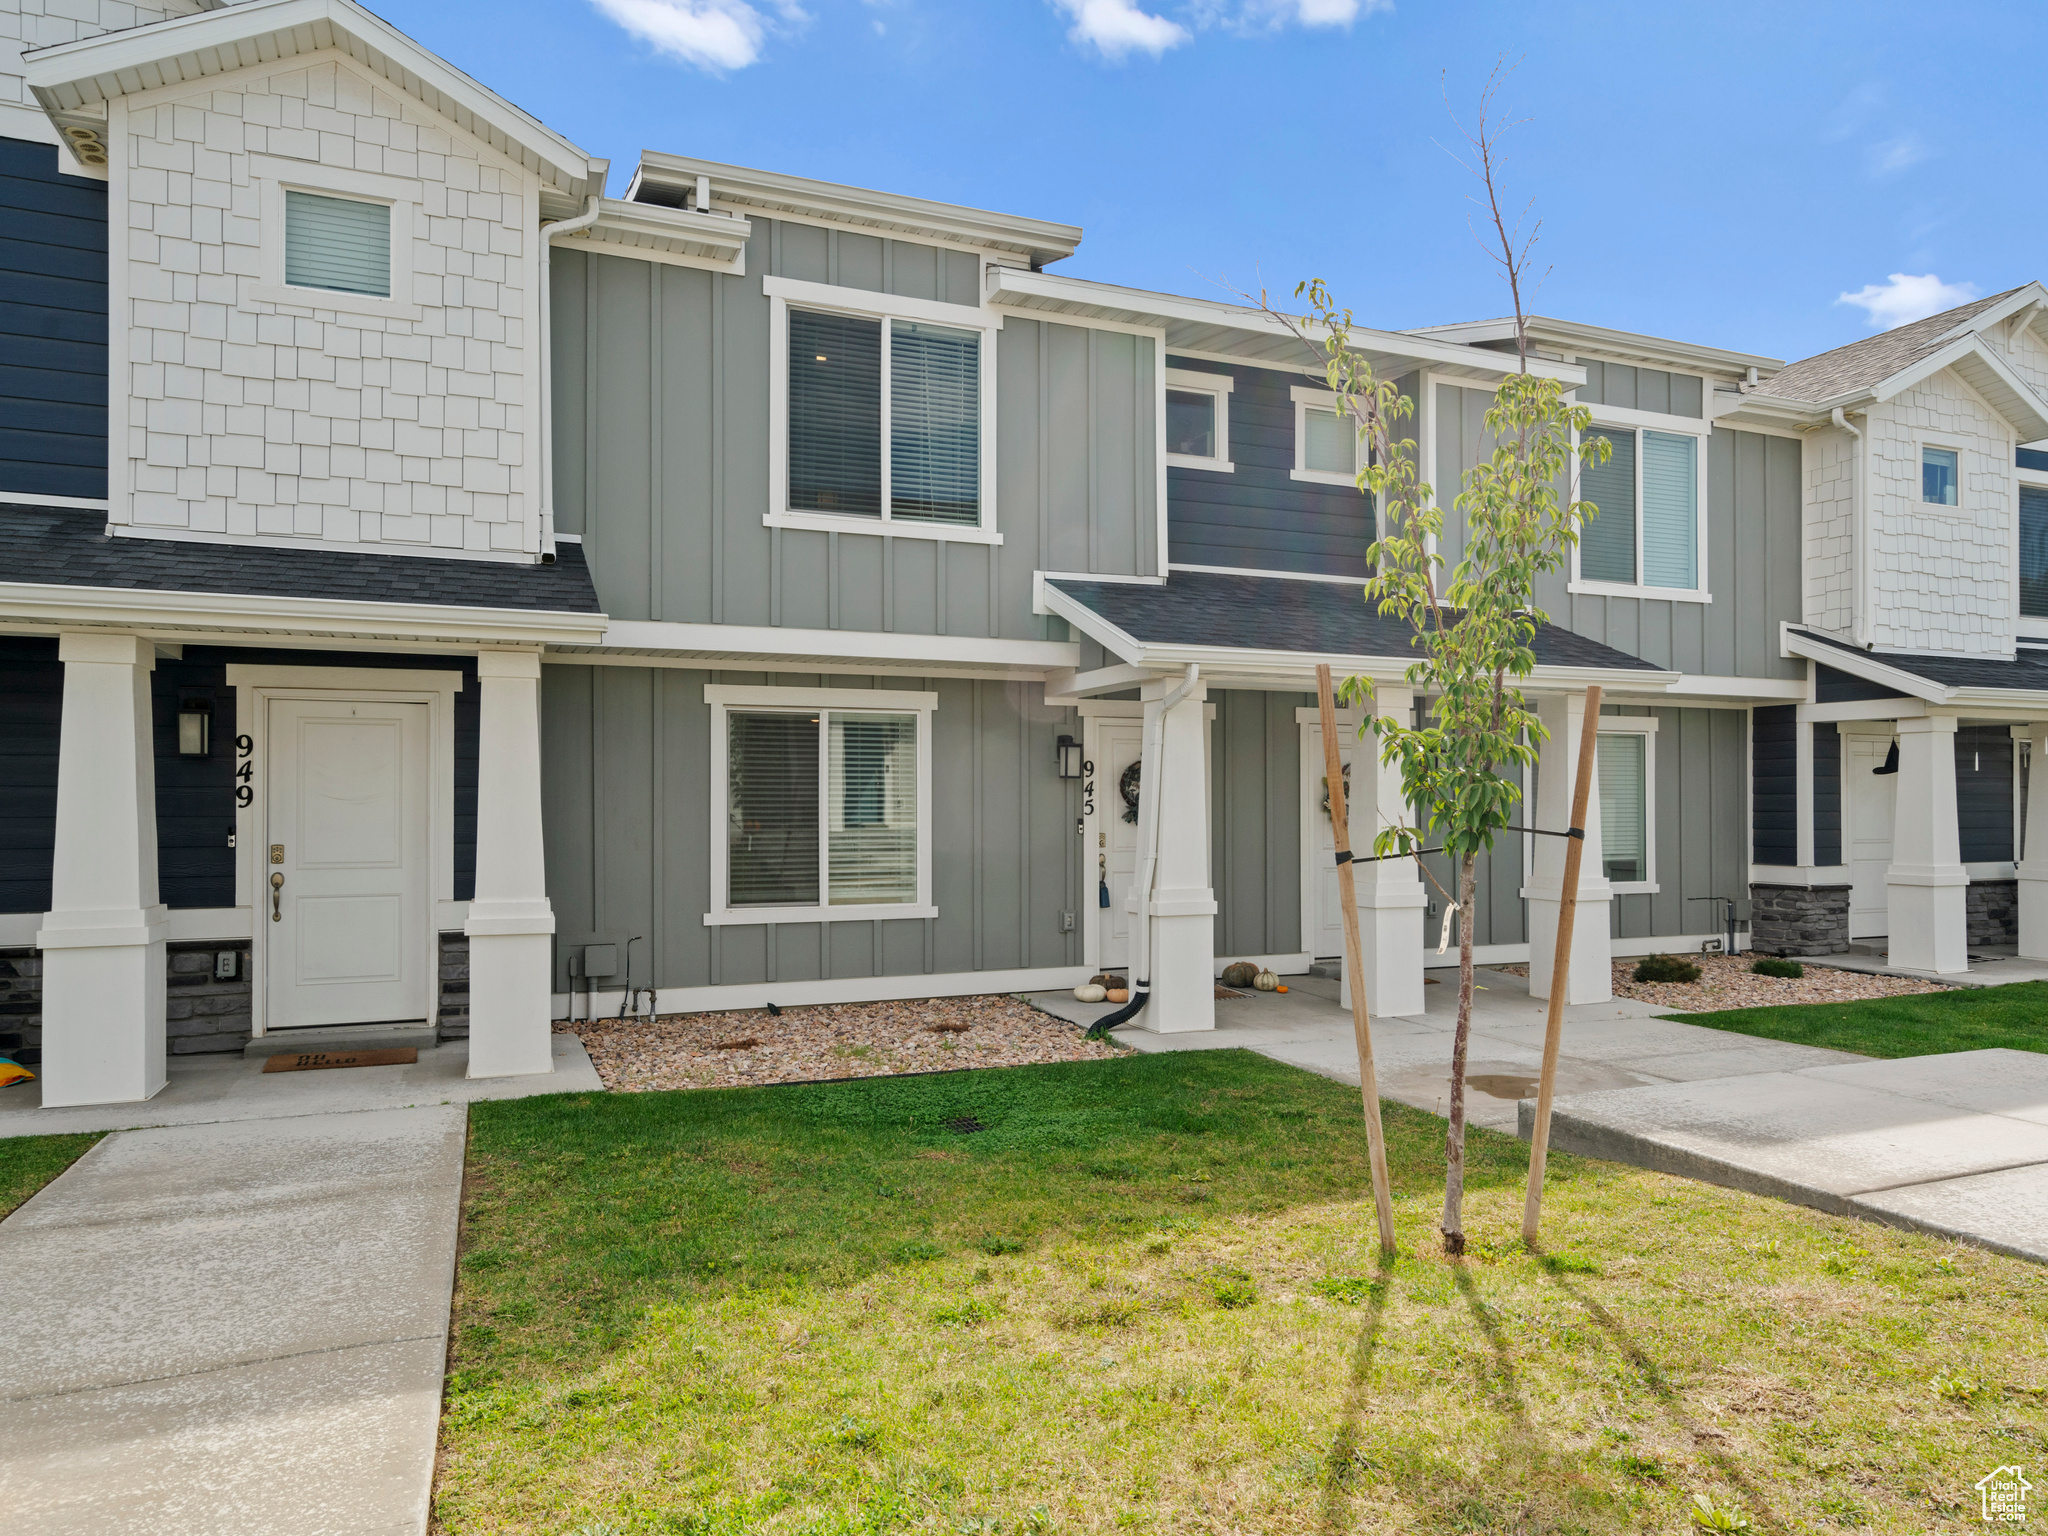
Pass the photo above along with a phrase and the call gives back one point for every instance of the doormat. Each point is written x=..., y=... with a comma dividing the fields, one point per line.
x=319, y=1061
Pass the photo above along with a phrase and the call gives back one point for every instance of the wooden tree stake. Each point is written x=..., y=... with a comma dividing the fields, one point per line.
x=1354, y=954
x=1561, y=966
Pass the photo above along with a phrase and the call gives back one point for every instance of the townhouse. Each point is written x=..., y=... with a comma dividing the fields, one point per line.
x=444, y=598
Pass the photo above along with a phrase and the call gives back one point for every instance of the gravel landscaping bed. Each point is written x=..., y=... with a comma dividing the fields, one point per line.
x=1726, y=981
x=749, y=1048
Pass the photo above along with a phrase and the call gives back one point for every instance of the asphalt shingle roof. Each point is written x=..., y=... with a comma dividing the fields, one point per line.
x=2028, y=669
x=1265, y=613
x=63, y=547
x=1864, y=363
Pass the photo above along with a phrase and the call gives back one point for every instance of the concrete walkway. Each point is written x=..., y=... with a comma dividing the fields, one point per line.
x=234, y=1322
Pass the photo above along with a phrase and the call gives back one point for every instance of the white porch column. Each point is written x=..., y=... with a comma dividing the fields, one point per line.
x=1390, y=892
x=103, y=937
x=1592, y=978
x=510, y=921
x=1926, y=887
x=2034, y=867
x=1183, y=915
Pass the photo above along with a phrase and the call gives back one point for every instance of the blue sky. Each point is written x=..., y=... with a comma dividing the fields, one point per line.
x=1720, y=173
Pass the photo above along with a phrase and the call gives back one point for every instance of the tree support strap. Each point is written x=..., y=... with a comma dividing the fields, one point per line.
x=1346, y=856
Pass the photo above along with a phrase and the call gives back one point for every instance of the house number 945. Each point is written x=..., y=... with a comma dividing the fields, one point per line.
x=245, y=771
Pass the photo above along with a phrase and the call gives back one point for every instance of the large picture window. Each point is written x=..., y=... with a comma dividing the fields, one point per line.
x=822, y=804
x=1647, y=533
x=881, y=419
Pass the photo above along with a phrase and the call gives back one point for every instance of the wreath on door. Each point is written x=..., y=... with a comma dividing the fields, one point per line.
x=1127, y=786
x=1347, y=789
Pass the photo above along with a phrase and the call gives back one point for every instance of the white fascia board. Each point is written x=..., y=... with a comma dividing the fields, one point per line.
x=211, y=613
x=647, y=231
x=1866, y=665
x=1031, y=291
x=67, y=76
x=1656, y=350
x=2020, y=298
x=741, y=643
x=1220, y=662
x=1979, y=366
x=1704, y=688
x=1090, y=623
x=772, y=192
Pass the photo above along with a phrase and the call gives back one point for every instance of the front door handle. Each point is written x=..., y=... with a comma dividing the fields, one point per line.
x=276, y=885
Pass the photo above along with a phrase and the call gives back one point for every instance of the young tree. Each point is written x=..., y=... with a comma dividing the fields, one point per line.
x=1474, y=625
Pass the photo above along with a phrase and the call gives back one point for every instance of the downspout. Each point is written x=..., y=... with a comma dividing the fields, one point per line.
x=1859, y=515
x=548, y=232
x=1152, y=751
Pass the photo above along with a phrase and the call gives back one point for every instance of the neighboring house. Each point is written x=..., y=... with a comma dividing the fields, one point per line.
x=438, y=592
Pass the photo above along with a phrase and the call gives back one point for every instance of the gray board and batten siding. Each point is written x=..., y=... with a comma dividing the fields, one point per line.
x=1753, y=512
x=661, y=428
x=1257, y=516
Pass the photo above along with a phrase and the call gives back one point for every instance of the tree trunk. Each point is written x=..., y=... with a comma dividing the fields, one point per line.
x=1454, y=1139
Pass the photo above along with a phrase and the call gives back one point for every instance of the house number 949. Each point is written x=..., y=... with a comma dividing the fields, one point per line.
x=245, y=771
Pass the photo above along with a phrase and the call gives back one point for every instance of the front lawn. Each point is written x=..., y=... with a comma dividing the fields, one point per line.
x=1962, y=1019
x=1144, y=1295
x=27, y=1163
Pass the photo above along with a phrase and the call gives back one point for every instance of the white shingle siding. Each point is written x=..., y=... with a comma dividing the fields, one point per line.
x=46, y=23
x=1940, y=578
x=1830, y=532
x=252, y=416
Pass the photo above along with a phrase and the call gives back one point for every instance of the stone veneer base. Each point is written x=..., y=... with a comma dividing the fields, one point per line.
x=1810, y=920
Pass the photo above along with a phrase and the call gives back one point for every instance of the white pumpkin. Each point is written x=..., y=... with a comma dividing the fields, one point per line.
x=1088, y=992
x=1265, y=981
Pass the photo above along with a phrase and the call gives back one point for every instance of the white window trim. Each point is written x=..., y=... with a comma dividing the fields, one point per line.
x=1323, y=400
x=1644, y=726
x=724, y=697
x=1942, y=508
x=784, y=291
x=1218, y=385
x=2026, y=626
x=1640, y=422
x=276, y=177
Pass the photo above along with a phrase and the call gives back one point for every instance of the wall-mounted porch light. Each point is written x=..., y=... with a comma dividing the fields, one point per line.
x=1891, y=761
x=195, y=726
x=1070, y=758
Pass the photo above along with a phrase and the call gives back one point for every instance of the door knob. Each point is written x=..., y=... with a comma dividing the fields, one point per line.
x=276, y=885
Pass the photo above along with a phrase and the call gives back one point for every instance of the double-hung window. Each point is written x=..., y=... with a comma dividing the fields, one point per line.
x=2034, y=552
x=1940, y=480
x=883, y=414
x=1325, y=439
x=1648, y=533
x=1626, y=761
x=1198, y=419
x=821, y=804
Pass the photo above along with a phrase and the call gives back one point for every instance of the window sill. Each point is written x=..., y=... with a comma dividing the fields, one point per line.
x=1630, y=589
x=1324, y=477
x=881, y=528
x=759, y=916
x=1187, y=461
x=333, y=299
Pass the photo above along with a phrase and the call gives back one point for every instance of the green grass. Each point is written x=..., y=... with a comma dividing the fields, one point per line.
x=1147, y=1298
x=27, y=1163
x=1925, y=1024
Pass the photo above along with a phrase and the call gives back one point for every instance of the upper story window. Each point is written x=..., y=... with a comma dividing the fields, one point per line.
x=2034, y=552
x=1938, y=477
x=883, y=411
x=1198, y=419
x=1649, y=527
x=1325, y=440
x=342, y=244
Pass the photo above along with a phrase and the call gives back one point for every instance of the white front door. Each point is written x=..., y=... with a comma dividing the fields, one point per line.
x=1869, y=799
x=1326, y=923
x=1118, y=743
x=346, y=929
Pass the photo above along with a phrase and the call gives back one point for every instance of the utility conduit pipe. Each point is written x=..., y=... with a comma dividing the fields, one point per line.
x=1152, y=751
x=548, y=232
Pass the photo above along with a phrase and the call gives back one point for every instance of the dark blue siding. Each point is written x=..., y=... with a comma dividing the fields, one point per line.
x=1984, y=792
x=1832, y=687
x=1260, y=518
x=53, y=326
x=1827, y=793
x=1774, y=784
x=195, y=796
x=31, y=702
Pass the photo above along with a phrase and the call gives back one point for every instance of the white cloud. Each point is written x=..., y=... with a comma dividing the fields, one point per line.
x=1117, y=27
x=1890, y=156
x=1901, y=299
x=711, y=34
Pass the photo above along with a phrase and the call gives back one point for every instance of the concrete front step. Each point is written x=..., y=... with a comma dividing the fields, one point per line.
x=346, y=1037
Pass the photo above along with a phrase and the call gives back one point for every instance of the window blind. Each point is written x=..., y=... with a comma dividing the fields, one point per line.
x=1328, y=442
x=873, y=809
x=772, y=810
x=1607, y=545
x=337, y=243
x=935, y=423
x=1671, y=500
x=2034, y=551
x=1191, y=423
x=1624, y=805
x=835, y=413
